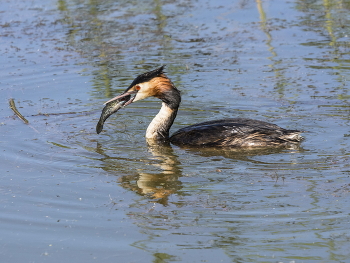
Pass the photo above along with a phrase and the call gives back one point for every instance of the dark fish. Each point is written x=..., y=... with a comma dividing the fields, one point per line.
x=110, y=108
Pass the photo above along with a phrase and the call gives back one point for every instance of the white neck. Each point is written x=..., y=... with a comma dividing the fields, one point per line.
x=160, y=125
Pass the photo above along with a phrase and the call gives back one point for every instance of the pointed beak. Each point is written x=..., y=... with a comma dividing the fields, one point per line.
x=113, y=105
x=124, y=97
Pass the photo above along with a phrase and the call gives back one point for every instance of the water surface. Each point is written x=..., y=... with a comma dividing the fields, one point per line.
x=70, y=194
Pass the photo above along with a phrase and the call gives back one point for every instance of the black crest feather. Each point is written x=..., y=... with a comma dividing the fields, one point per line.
x=146, y=76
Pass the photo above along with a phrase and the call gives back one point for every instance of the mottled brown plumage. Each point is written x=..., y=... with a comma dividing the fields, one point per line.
x=238, y=132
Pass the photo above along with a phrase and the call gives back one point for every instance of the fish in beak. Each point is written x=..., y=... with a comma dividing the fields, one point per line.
x=113, y=105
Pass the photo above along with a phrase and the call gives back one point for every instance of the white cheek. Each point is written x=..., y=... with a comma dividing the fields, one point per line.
x=143, y=92
x=140, y=95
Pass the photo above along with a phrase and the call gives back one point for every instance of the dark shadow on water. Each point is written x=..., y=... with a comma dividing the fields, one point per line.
x=244, y=154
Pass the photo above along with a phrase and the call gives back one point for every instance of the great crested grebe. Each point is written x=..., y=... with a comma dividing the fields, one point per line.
x=237, y=132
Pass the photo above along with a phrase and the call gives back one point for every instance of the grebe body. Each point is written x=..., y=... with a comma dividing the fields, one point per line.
x=236, y=132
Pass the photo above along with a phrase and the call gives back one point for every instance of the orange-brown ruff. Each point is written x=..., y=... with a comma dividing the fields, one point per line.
x=235, y=132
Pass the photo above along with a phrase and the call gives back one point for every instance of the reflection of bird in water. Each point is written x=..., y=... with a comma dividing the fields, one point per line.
x=157, y=184
x=237, y=132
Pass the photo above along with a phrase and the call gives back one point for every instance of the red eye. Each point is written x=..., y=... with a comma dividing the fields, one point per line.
x=137, y=87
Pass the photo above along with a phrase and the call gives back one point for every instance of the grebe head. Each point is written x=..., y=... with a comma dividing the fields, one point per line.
x=150, y=84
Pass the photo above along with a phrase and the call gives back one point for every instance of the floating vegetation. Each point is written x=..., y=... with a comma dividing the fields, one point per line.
x=14, y=108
